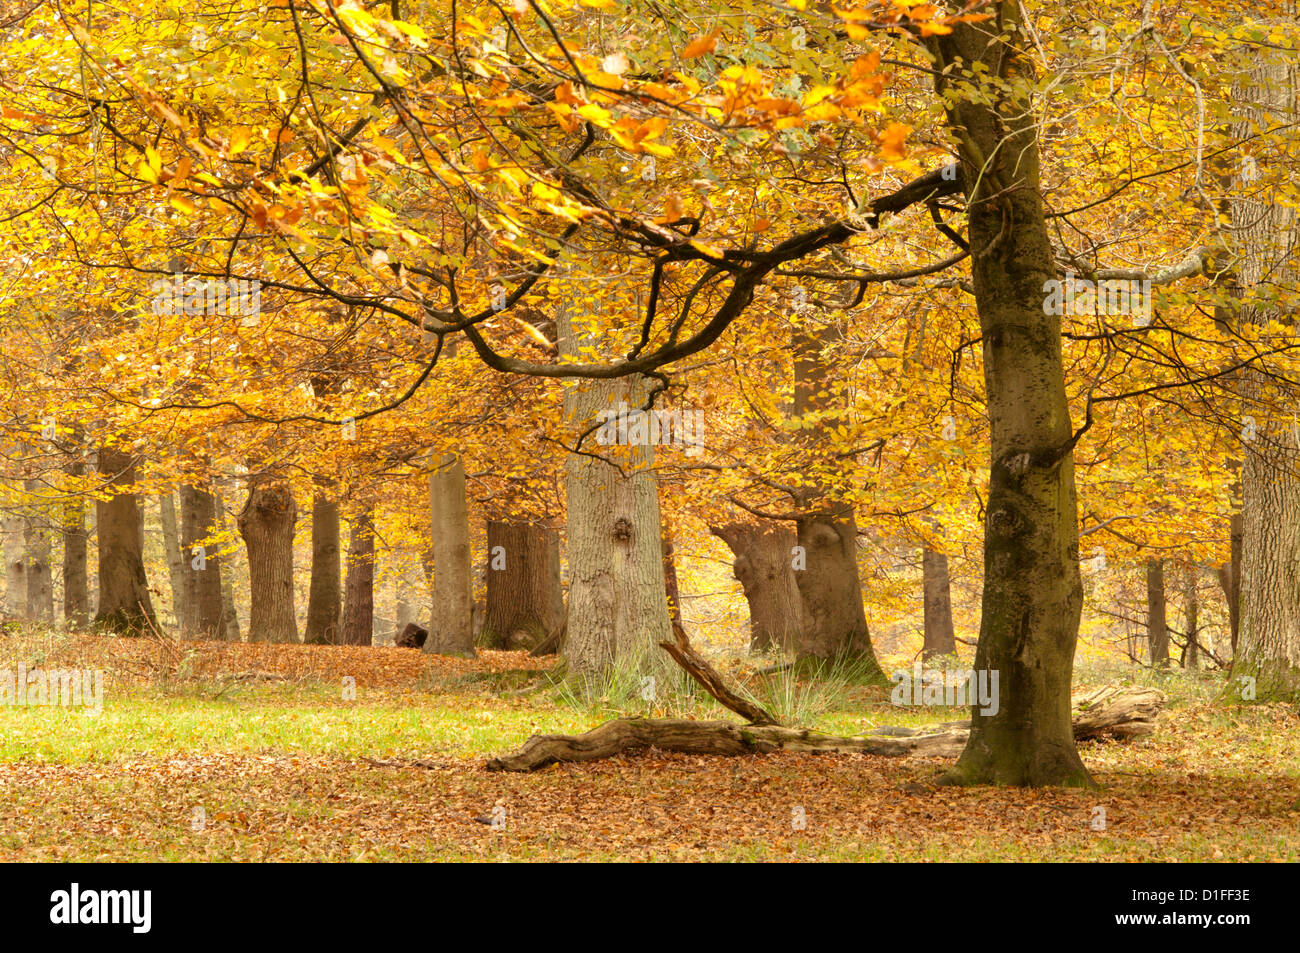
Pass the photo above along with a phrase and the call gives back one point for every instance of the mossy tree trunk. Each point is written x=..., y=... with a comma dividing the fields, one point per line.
x=1267, y=226
x=1033, y=594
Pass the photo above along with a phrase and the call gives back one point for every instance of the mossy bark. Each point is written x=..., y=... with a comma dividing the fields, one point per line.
x=1032, y=590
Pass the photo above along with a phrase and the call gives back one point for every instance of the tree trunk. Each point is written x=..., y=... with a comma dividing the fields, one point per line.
x=40, y=575
x=1033, y=594
x=525, y=603
x=617, y=611
x=203, y=606
x=324, y=604
x=1157, y=627
x=172, y=549
x=1191, y=609
x=1237, y=532
x=15, y=547
x=451, y=624
x=763, y=565
x=358, y=625
x=267, y=525
x=1268, y=228
x=124, y=603
x=76, y=582
x=229, y=611
x=834, y=623
x=940, y=640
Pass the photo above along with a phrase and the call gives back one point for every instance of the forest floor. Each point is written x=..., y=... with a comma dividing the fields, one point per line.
x=217, y=751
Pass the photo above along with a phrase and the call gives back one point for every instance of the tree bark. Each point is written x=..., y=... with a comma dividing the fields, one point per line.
x=525, y=602
x=203, y=615
x=76, y=582
x=1033, y=594
x=763, y=566
x=1157, y=626
x=324, y=604
x=1191, y=611
x=172, y=550
x=617, y=612
x=451, y=625
x=267, y=526
x=1268, y=228
x=358, y=625
x=15, y=548
x=124, y=603
x=40, y=575
x=834, y=623
x=939, y=639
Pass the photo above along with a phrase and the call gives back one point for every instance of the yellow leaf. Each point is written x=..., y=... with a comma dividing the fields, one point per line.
x=182, y=204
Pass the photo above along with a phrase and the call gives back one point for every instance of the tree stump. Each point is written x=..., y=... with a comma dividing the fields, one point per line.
x=412, y=637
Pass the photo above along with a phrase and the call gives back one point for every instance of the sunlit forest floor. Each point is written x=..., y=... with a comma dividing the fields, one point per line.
x=216, y=751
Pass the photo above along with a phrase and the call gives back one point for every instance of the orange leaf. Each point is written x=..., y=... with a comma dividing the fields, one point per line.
x=700, y=45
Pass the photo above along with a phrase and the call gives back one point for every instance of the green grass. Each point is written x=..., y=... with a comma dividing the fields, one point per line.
x=309, y=719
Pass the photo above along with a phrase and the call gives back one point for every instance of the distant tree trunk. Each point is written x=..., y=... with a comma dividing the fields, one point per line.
x=358, y=625
x=40, y=575
x=267, y=525
x=835, y=624
x=124, y=603
x=1191, y=610
x=1228, y=583
x=762, y=564
x=203, y=605
x=324, y=602
x=525, y=604
x=451, y=625
x=229, y=612
x=1267, y=225
x=939, y=639
x=76, y=582
x=1157, y=628
x=172, y=549
x=15, y=546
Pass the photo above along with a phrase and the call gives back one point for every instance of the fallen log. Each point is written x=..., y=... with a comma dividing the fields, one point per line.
x=1114, y=711
x=723, y=738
